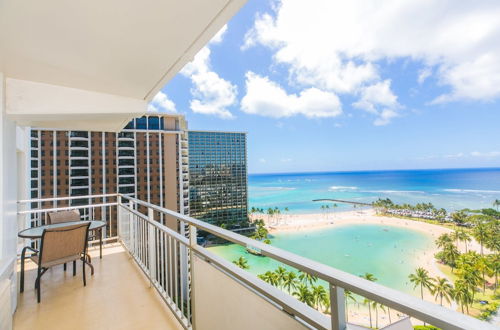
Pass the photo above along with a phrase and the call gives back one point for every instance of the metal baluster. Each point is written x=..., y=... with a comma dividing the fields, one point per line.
x=337, y=307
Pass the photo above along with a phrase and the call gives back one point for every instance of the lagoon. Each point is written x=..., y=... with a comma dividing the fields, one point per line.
x=390, y=253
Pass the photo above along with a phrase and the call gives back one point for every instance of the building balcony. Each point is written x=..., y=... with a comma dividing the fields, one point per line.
x=105, y=303
x=154, y=277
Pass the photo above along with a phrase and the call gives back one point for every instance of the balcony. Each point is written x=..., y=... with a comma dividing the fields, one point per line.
x=101, y=304
x=198, y=289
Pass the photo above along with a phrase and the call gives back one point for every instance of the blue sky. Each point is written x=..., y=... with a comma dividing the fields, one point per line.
x=338, y=85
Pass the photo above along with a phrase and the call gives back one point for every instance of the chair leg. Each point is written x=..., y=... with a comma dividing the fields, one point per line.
x=64, y=266
x=83, y=271
x=38, y=286
x=23, y=256
x=74, y=268
x=100, y=243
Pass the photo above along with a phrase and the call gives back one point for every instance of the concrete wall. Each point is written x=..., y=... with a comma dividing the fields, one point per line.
x=222, y=303
x=8, y=198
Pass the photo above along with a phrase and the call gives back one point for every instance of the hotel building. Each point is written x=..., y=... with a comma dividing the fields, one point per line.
x=147, y=160
x=218, y=178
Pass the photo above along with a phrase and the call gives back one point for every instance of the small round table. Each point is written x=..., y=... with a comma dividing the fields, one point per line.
x=36, y=232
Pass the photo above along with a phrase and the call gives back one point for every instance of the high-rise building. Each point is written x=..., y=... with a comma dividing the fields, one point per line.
x=148, y=159
x=218, y=178
x=155, y=159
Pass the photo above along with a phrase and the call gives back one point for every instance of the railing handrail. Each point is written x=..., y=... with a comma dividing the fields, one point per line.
x=51, y=199
x=425, y=311
x=65, y=208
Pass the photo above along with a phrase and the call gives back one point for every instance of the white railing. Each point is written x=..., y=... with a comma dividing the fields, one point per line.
x=166, y=255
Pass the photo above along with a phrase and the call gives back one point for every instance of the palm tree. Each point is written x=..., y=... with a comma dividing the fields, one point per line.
x=451, y=254
x=290, y=281
x=421, y=278
x=443, y=240
x=242, y=263
x=368, y=302
x=494, y=262
x=372, y=278
x=462, y=295
x=442, y=289
x=319, y=295
x=496, y=203
x=304, y=295
x=269, y=277
x=348, y=296
x=307, y=278
x=335, y=207
x=481, y=230
x=281, y=274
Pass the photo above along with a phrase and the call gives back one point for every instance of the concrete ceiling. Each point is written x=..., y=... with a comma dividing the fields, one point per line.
x=127, y=48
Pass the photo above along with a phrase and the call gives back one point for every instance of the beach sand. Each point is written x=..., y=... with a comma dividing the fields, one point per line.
x=358, y=314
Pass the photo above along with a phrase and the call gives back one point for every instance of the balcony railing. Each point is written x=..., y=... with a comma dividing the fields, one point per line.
x=176, y=266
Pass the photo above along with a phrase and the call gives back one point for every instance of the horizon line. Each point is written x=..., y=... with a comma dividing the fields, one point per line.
x=384, y=170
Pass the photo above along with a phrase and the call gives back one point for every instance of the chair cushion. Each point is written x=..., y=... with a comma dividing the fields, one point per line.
x=64, y=216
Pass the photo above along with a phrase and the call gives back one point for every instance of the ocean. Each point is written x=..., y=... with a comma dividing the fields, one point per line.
x=451, y=189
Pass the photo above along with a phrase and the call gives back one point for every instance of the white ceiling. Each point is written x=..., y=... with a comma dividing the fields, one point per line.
x=129, y=48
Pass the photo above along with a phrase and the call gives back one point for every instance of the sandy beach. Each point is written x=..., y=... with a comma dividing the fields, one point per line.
x=315, y=221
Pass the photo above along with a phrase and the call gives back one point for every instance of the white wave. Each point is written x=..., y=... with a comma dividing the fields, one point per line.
x=337, y=188
x=276, y=188
x=397, y=191
x=464, y=191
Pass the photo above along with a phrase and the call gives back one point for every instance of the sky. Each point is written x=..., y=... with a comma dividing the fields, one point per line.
x=350, y=85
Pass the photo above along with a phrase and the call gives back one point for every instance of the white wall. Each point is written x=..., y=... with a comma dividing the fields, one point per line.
x=224, y=304
x=8, y=196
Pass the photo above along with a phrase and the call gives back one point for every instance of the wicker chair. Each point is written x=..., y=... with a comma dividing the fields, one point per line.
x=58, y=246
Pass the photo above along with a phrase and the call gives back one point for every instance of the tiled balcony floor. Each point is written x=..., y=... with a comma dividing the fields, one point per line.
x=118, y=296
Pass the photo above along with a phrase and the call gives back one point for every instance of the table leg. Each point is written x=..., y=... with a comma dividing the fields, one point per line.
x=100, y=243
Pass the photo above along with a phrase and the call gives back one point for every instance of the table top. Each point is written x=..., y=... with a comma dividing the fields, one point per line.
x=36, y=232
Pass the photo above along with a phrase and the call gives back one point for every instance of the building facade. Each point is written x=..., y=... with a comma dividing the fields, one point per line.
x=218, y=178
x=148, y=160
x=154, y=158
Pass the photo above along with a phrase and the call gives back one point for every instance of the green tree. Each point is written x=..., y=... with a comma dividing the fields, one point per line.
x=450, y=254
x=281, y=274
x=496, y=203
x=442, y=289
x=269, y=277
x=443, y=240
x=241, y=262
x=348, y=296
x=421, y=278
x=462, y=295
x=319, y=296
x=480, y=231
x=307, y=278
x=290, y=282
x=304, y=295
x=370, y=277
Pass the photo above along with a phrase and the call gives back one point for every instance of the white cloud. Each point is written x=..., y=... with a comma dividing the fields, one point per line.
x=266, y=98
x=485, y=154
x=424, y=74
x=161, y=103
x=379, y=99
x=217, y=39
x=336, y=45
x=212, y=95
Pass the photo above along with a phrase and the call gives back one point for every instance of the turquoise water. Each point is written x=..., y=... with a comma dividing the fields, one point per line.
x=390, y=253
x=449, y=188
